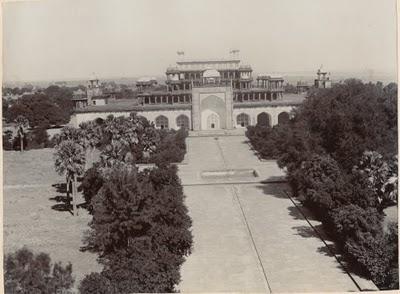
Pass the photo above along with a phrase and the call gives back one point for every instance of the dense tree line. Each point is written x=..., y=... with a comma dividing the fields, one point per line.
x=36, y=138
x=140, y=227
x=340, y=154
x=50, y=106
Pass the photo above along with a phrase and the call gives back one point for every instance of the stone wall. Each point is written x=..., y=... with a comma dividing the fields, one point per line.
x=78, y=118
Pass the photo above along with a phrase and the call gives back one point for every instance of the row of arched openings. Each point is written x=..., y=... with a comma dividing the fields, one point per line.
x=263, y=119
x=182, y=121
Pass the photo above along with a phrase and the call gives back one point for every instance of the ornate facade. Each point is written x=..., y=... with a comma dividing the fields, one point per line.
x=204, y=95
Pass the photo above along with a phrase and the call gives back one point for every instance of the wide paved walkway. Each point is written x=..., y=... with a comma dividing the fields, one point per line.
x=249, y=236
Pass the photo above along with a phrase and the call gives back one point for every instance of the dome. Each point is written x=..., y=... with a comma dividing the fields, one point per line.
x=211, y=73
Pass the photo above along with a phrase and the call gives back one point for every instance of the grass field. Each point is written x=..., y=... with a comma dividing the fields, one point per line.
x=35, y=214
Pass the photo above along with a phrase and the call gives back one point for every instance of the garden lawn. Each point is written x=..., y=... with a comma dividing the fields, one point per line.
x=34, y=214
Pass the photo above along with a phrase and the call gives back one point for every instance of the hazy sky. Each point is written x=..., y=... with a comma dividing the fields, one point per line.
x=67, y=39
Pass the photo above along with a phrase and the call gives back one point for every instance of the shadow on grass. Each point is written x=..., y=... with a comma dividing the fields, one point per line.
x=64, y=203
x=60, y=188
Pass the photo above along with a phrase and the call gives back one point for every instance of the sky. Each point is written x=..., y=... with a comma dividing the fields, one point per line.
x=70, y=39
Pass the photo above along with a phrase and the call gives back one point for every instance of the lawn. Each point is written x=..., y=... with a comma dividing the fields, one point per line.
x=35, y=214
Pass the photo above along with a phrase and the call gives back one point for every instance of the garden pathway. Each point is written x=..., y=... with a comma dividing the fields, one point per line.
x=249, y=236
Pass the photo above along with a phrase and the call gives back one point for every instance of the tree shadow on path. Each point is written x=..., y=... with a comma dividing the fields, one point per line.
x=315, y=229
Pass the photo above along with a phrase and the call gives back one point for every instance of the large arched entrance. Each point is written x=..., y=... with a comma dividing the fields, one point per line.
x=263, y=119
x=243, y=120
x=283, y=118
x=213, y=104
x=213, y=122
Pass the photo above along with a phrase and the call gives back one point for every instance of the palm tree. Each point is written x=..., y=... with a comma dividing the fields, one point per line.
x=90, y=138
x=22, y=124
x=70, y=161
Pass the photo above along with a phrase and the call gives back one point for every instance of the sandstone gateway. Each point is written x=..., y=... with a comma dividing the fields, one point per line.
x=212, y=94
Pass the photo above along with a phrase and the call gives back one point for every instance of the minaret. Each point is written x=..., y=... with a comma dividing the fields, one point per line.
x=93, y=89
x=322, y=80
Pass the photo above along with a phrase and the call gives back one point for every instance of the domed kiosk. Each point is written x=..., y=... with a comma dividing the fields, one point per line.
x=211, y=76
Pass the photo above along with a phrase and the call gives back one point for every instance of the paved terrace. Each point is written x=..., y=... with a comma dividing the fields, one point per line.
x=249, y=236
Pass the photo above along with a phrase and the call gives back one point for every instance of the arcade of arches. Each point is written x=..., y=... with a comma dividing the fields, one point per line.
x=213, y=120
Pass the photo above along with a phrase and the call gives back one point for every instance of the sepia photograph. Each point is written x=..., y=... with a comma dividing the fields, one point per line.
x=199, y=146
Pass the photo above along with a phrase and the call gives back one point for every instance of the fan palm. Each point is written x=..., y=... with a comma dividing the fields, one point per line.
x=70, y=161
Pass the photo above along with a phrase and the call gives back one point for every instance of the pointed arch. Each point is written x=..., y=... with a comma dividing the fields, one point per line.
x=162, y=122
x=243, y=120
x=182, y=121
x=283, y=118
x=263, y=119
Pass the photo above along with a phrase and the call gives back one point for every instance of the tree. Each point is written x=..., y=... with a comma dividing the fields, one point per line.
x=141, y=228
x=21, y=124
x=382, y=177
x=339, y=152
x=70, y=161
x=122, y=135
x=26, y=272
x=40, y=110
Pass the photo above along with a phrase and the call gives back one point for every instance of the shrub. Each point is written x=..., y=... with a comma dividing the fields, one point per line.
x=262, y=138
x=26, y=272
x=96, y=283
x=323, y=184
x=38, y=138
x=349, y=220
x=7, y=140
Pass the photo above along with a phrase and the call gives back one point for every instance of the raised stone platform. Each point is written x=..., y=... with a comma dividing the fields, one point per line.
x=214, y=133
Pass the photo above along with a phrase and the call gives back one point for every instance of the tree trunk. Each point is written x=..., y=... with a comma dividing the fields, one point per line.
x=68, y=190
x=21, y=143
x=74, y=192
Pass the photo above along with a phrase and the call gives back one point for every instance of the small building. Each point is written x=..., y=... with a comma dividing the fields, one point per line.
x=323, y=80
x=146, y=83
x=302, y=87
x=94, y=95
